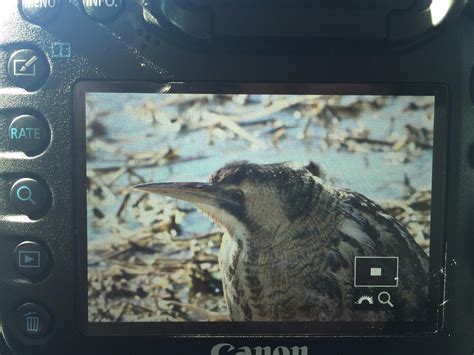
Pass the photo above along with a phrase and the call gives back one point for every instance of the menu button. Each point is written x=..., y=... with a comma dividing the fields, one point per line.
x=40, y=11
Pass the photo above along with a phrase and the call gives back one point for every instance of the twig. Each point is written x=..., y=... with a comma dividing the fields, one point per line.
x=197, y=237
x=386, y=143
x=98, y=115
x=370, y=141
x=139, y=200
x=139, y=307
x=257, y=122
x=132, y=172
x=122, y=312
x=117, y=176
x=278, y=135
x=234, y=127
x=152, y=164
x=123, y=205
x=275, y=107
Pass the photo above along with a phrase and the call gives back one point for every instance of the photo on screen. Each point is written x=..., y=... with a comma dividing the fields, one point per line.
x=258, y=207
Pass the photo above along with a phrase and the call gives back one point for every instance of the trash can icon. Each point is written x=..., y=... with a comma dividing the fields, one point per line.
x=32, y=322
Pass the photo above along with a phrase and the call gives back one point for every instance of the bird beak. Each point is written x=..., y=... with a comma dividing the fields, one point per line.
x=195, y=192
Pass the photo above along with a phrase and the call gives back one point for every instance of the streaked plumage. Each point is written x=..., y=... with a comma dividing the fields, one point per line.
x=290, y=240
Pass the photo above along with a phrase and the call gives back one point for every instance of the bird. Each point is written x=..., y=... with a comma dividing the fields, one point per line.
x=289, y=243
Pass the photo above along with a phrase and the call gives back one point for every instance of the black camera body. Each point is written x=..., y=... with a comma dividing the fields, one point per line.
x=54, y=53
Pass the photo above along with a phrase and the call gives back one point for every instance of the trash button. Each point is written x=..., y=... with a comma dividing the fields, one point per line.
x=33, y=320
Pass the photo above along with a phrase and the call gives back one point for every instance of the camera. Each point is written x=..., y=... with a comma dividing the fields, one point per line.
x=236, y=177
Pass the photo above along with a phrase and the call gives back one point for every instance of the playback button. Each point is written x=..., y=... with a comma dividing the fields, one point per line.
x=29, y=134
x=29, y=197
x=31, y=260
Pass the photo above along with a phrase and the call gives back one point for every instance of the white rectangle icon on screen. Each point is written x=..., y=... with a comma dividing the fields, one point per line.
x=375, y=271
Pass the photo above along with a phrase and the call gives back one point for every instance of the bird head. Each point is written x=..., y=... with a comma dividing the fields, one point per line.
x=246, y=196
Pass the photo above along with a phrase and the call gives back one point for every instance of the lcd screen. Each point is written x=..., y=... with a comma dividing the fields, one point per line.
x=266, y=205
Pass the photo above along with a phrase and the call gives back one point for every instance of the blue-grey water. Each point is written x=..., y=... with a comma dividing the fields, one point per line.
x=379, y=174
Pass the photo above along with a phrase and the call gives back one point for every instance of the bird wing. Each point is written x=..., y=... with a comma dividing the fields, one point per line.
x=376, y=231
x=366, y=229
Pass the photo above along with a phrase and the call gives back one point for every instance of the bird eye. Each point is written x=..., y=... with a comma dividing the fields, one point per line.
x=237, y=194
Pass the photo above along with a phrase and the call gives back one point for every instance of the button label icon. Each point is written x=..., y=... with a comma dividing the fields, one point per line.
x=32, y=319
x=29, y=134
x=25, y=133
x=39, y=4
x=103, y=10
x=61, y=50
x=25, y=194
x=385, y=298
x=30, y=259
x=30, y=197
x=23, y=67
x=376, y=271
x=28, y=68
x=40, y=11
x=99, y=3
x=32, y=322
x=365, y=298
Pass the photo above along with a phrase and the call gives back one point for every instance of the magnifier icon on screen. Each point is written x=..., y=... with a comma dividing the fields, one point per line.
x=25, y=194
x=385, y=298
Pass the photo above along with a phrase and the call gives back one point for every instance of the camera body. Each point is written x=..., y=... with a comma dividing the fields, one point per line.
x=46, y=49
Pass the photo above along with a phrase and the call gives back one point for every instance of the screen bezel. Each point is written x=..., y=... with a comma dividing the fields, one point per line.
x=438, y=212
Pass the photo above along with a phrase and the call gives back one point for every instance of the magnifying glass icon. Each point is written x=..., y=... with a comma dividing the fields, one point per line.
x=25, y=194
x=385, y=298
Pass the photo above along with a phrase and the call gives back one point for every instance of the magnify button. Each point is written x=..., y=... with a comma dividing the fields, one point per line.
x=29, y=197
x=385, y=298
x=24, y=193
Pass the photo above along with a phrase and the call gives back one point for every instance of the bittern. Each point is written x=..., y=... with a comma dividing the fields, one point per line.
x=289, y=243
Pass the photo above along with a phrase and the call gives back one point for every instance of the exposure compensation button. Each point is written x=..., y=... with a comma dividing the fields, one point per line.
x=29, y=134
x=40, y=11
x=29, y=197
x=33, y=320
x=102, y=10
x=31, y=260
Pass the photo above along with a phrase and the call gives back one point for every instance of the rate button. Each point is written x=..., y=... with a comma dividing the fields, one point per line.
x=29, y=134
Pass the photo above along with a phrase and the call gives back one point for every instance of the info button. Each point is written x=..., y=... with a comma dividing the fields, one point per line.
x=29, y=134
x=103, y=10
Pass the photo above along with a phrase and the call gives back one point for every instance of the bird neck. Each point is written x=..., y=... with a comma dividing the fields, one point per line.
x=309, y=214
